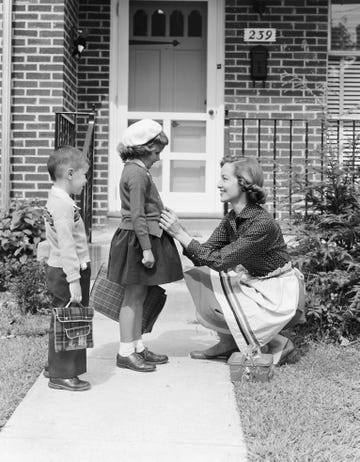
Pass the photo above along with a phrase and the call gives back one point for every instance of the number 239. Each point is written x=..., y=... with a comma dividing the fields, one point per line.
x=260, y=34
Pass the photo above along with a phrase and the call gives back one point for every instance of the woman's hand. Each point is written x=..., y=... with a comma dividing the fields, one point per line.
x=170, y=222
x=148, y=259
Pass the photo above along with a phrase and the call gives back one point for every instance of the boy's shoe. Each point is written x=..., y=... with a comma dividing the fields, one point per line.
x=46, y=371
x=135, y=362
x=151, y=357
x=73, y=384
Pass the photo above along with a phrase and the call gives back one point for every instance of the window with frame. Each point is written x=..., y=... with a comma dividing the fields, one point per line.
x=345, y=25
x=344, y=59
x=343, y=77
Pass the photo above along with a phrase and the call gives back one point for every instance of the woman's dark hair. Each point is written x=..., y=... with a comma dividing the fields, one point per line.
x=144, y=150
x=250, y=177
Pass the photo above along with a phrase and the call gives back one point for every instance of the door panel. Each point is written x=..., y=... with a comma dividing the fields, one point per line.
x=188, y=136
x=187, y=176
x=144, y=92
x=189, y=88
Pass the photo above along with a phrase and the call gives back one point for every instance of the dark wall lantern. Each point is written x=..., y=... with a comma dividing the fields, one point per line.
x=79, y=46
x=259, y=63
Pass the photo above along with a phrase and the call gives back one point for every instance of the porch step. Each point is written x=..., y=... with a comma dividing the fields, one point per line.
x=199, y=227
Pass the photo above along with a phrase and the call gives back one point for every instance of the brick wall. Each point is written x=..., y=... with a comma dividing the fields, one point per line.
x=93, y=90
x=300, y=49
x=293, y=89
x=42, y=80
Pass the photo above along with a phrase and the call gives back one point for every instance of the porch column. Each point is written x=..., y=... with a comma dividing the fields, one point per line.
x=6, y=105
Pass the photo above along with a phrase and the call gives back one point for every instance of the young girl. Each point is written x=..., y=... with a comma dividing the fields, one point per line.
x=141, y=254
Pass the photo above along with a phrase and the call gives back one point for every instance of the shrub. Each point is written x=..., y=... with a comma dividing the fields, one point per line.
x=28, y=287
x=328, y=253
x=21, y=229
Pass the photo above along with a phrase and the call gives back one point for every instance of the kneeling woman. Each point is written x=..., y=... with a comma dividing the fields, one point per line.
x=249, y=290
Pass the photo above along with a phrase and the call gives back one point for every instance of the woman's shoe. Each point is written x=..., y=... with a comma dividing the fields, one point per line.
x=135, y=362
x=73, y=384
x=290, y=354
x=151, y=357
x=221, y=350
x=203, y=355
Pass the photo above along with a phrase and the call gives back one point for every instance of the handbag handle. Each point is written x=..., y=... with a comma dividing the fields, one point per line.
x=251, y=353
x=70, y=302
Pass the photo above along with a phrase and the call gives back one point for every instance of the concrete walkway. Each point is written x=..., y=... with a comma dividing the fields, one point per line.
x=185, y=411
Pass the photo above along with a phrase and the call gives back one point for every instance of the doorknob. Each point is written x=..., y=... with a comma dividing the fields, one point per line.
x=211, y=112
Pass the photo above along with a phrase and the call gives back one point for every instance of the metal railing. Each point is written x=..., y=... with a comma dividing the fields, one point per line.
x=67, y=132
x=290, y=151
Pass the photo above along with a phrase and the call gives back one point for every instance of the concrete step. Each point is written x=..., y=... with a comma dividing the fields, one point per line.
x=196, y=226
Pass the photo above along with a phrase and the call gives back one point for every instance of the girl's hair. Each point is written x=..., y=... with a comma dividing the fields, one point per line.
x=250, y=178
x=143, y=150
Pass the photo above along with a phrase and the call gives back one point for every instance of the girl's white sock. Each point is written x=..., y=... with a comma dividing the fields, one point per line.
x=139, y=346
x=126, y=348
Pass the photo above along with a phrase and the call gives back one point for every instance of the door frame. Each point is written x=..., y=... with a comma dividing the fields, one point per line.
x=118, y=89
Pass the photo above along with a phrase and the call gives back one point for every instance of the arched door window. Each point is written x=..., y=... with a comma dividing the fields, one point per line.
x=140, y=23
x=158, y=24
x=176, y=24
x=194, y=24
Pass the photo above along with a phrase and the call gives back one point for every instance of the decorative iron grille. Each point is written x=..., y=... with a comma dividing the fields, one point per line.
x=290, y=150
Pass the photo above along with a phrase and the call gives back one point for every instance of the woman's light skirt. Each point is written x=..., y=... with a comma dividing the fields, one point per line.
x=253, y=310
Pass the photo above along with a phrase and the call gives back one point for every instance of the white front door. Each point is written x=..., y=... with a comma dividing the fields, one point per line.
x=171, y=70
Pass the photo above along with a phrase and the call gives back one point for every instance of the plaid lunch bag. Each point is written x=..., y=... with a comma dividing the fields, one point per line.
x=251, y=367
x=73, y=327
x=106, y=297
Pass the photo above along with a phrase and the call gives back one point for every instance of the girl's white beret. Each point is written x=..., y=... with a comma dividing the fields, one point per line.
x=141, y=132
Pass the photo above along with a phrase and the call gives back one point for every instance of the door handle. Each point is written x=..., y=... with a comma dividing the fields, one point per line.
x=212, y=112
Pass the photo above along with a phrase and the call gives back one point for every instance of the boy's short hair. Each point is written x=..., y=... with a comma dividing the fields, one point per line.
x=65, y=156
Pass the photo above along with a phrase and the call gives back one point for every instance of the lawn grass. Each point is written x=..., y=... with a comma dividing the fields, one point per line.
x=23, y=351
x=310, y=411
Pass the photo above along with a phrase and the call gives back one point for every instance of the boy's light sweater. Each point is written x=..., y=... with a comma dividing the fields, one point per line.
x=65, y=232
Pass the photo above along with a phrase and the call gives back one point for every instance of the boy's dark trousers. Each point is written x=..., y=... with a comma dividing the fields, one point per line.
x=65, y=364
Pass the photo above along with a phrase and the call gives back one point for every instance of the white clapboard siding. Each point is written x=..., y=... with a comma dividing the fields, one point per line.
x=343, y=104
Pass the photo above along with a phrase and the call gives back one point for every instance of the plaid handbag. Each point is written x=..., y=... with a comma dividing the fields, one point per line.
x=73, y=329
x=106, y=297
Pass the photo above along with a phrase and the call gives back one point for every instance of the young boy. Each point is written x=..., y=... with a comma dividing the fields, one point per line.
x=68, y=271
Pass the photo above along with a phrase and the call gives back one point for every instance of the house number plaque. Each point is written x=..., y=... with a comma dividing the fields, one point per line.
x=259, y=35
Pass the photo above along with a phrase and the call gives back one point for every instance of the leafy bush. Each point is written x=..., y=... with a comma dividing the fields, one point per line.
x=328, y=253
x=21, y=229
x=28, y=287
